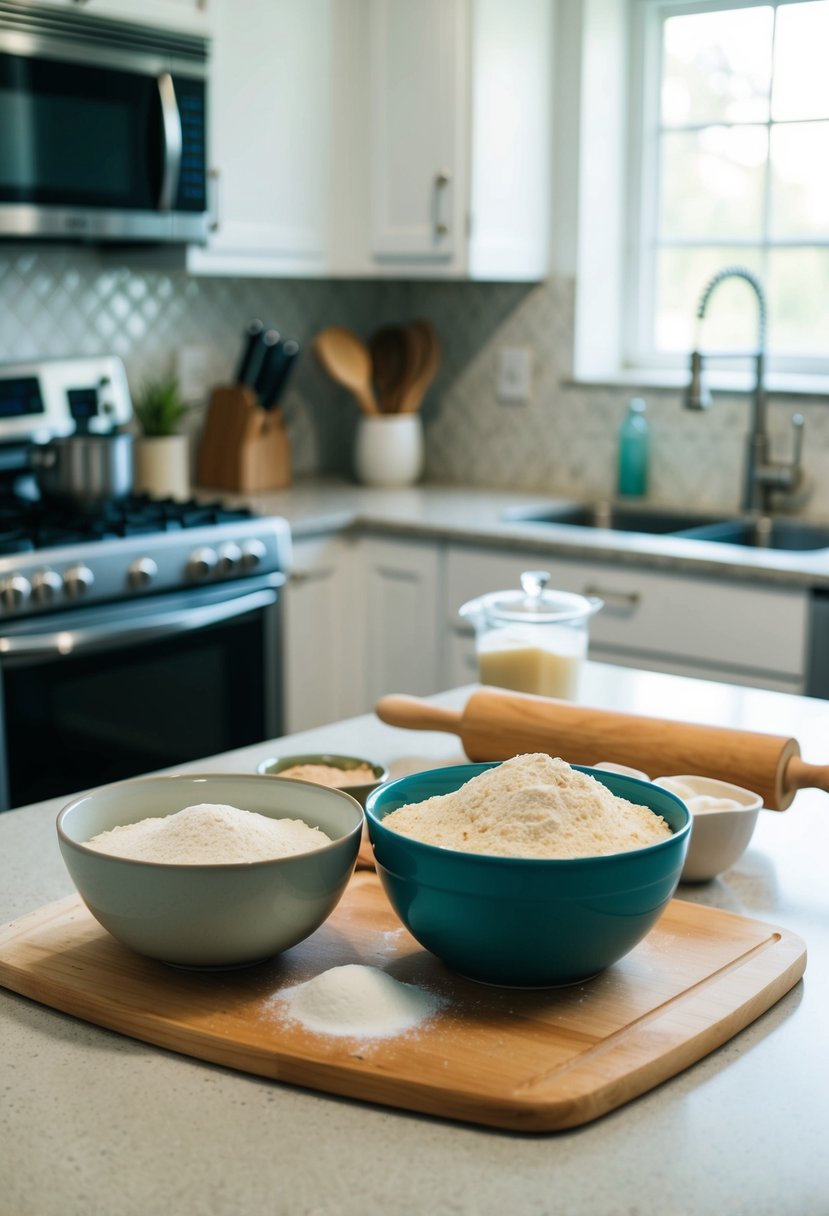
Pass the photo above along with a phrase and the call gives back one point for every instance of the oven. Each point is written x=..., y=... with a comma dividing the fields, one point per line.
x=94, y=695
x=136, y=633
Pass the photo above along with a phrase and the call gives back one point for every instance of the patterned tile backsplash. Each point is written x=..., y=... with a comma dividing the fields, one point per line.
x=64, y=301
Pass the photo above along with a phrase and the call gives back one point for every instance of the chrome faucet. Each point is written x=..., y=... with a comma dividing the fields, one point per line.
x=762, y=476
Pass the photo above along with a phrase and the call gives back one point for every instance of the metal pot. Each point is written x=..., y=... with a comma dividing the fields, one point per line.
x=86, y=469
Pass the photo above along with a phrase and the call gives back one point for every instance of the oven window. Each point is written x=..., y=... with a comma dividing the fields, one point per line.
x=80, y=722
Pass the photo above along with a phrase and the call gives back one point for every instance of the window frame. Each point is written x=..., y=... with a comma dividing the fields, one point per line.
x=644, y=75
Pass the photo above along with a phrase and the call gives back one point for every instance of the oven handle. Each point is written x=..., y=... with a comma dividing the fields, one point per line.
x=115, y=634
x=172, y=141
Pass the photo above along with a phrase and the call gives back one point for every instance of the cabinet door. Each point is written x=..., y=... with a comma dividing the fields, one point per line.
x=320, y=641
x=418, y=104
x=398, y=599
x=270, y=133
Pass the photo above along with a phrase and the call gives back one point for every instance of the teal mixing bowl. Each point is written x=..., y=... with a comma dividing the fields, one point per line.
x=525, y=922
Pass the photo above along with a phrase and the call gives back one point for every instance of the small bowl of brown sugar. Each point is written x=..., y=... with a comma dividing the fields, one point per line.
x=354, y=774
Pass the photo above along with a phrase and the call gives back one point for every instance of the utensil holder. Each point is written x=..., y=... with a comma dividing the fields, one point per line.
x=389, y=450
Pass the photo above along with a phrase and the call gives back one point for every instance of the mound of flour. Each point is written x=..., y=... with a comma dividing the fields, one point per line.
x=209, y=834
x=531, y=806
x=358, y=1002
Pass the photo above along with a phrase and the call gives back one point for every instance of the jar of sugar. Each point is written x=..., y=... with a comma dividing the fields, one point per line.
x=533, y=640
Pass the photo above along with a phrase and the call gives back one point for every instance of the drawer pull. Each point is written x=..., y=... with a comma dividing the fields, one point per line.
x=618, y=599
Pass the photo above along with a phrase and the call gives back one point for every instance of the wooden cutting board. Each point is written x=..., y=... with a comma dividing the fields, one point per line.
x=523, y=1060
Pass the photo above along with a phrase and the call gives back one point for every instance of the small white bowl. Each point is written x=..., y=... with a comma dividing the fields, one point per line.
x=718, y=837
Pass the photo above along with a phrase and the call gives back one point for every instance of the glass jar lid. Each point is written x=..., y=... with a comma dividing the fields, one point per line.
x=533, y=603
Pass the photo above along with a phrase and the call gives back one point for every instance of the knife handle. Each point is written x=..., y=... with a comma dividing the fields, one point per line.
x=249, y=359
x=269, y=346
x=281, y=366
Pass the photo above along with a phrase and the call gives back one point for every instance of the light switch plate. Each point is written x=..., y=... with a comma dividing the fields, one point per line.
x=515, y=373
x=194, y=371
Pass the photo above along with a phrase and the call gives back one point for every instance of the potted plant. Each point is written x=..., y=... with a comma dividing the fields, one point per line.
x=162, y=454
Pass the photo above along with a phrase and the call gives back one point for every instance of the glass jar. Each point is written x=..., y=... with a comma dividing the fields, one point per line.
x=532, y=640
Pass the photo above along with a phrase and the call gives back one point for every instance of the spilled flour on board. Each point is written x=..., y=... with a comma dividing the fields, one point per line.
x=356, y=1001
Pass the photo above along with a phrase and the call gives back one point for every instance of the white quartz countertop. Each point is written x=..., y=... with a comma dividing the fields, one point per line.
x=477, y=516
x=96, y=1124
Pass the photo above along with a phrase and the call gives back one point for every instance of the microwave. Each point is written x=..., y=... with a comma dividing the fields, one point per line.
x=103, y=128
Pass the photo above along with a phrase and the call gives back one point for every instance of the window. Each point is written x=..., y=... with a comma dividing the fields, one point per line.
x=733, y=118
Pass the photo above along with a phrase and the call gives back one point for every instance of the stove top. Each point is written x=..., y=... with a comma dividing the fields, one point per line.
x=59, y=557
x=27, y=526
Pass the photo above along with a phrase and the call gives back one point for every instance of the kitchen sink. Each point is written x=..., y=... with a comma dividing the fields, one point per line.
x=764, y=533
x=618, y=518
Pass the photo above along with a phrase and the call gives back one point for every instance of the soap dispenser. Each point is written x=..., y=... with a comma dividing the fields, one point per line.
x=633, y=451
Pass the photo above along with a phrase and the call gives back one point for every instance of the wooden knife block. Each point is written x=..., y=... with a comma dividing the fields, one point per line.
x=243, y=447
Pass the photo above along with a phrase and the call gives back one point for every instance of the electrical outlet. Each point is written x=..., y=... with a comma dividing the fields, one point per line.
x=515, y=373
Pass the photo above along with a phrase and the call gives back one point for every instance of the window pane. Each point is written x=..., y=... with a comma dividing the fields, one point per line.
x=799, y=301
x=800, y=180
x=801, y=81
x=717, y=66
x=712, y=182
x=731, y=318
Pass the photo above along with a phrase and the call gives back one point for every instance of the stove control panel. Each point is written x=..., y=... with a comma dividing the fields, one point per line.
x=80, y=575
x=53, y=397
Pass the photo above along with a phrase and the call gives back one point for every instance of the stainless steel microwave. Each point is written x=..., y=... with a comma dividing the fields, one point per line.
x=103, y=128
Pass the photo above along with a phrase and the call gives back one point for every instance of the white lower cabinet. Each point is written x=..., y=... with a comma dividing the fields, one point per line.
x=709, y=627
x=361, y=619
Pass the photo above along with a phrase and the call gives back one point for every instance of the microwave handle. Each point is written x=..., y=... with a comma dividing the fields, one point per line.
x=116, y=635
x=171, y=142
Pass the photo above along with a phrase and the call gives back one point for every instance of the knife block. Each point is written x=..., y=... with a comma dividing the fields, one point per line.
x=243, y=448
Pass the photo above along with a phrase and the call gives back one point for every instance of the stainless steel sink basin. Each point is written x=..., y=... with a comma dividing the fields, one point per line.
x=618, y=518
x=764, y=533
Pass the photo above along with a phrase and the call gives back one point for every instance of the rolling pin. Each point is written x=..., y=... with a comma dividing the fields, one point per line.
x=496, y=724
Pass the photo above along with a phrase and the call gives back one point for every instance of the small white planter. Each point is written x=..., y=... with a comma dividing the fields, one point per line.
x=162, y=466
x=389, y=450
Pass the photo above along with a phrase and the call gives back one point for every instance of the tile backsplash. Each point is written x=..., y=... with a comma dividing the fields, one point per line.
x=64, y=301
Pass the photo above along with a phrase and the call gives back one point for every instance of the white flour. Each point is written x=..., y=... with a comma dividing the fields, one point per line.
x=531, y=806
x=209, y=834
x=358, y=1002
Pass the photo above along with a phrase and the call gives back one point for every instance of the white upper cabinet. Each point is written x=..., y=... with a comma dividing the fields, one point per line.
x=418, y=128
x=270, y=138
x=382, y=138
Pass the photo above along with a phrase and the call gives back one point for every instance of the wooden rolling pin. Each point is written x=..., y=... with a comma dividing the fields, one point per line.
x=496, y=724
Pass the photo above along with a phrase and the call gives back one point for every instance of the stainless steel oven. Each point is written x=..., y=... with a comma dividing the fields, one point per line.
x=92, y=695
x=102, y=128
x=136, y=633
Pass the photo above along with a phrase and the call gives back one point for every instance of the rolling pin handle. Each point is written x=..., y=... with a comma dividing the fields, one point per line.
x=397, y=709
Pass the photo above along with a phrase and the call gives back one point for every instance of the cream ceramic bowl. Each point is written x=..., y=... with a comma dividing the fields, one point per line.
x=718, y=837
x=227, y=915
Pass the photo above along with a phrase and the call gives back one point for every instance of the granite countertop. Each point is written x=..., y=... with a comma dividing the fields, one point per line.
x=476, y=516
x=94, y=1123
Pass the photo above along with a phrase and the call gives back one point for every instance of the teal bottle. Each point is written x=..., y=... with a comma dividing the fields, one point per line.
x=633, y=451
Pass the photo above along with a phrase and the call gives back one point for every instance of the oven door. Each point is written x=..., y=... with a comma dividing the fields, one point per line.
x=98, y=695
x=98, y=139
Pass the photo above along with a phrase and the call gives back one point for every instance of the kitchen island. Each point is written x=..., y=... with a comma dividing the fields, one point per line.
x=95, y=1123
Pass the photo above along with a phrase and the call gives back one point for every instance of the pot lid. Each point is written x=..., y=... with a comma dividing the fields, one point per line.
x=533, y=603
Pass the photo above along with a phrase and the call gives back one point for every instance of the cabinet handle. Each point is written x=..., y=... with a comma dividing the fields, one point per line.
x=442, y=179
x=621, y=599
x=213, y=179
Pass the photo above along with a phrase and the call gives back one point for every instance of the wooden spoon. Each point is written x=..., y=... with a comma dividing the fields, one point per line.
x=347, y=361
x=389, y=360
x=429, y=362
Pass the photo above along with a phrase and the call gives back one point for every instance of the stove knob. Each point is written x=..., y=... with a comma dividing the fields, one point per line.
x=141, y=572
x=14, y=591
x=46, y=586
x=253, y=554
x=202, y=562
x=230, y=557
x=77, y=580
